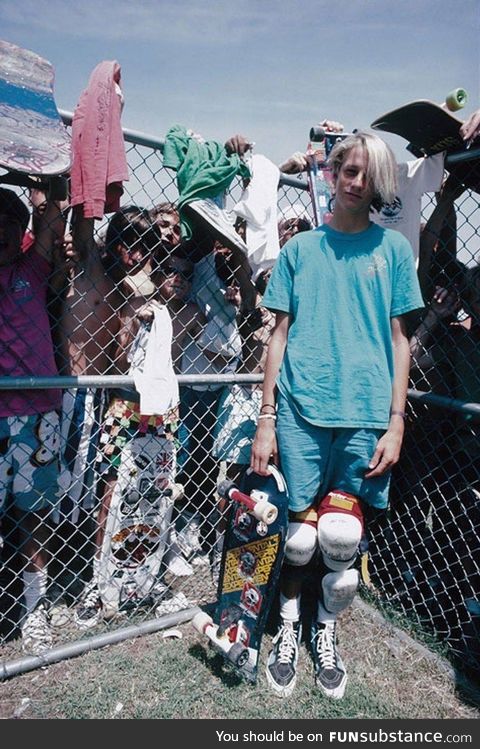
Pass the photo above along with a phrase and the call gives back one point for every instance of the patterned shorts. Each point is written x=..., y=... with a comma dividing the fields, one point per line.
x=123, y=424
x=29, y=460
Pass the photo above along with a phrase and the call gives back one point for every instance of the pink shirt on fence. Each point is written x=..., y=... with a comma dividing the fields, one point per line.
x=26, y=347
x=99, y=161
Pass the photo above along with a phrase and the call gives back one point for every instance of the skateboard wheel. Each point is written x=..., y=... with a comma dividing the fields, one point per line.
x=456, y=99
x=201, y=621
x=317, y=134
x=265, y=511
x=238, y=655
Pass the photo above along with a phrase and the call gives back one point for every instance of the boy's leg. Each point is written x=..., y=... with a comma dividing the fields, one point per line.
x=340, y=529
x=304, y=451
x=299, y=550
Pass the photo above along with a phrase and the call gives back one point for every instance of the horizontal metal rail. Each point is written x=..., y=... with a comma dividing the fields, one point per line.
x=80, y=647
x=469, y=155
x=471, y=410
x=123, y=381
x=150, y=141
x=114, y=381
x=300, y=184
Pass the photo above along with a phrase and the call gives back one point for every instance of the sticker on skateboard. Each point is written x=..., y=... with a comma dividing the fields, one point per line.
x=138, y=523
x=257, y=520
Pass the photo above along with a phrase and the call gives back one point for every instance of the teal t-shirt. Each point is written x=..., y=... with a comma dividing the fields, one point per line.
x=341, y=291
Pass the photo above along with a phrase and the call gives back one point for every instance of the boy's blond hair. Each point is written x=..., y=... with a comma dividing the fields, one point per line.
x=382, y=165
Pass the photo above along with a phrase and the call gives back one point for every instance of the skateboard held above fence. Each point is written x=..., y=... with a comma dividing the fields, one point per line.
x=431, y=128
x=257, y=521
x=34, y=142
x=319, y=175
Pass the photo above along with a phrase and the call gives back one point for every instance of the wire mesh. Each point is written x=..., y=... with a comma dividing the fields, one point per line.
x=130, y=491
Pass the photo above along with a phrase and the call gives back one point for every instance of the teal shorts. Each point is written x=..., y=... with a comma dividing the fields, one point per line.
x=315, y=460
x=29, y=460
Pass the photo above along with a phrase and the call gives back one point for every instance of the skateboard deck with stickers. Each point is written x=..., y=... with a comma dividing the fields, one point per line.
x=34, y=141
x=253, y=551
x=138, y=524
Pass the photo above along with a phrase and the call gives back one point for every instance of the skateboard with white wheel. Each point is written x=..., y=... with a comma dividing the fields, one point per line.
x=257, y=521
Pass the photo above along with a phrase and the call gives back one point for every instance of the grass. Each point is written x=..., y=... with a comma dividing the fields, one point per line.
x=161, y=678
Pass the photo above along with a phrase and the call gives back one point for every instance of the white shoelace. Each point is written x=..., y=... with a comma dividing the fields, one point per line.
x=90, y=597
x=36, y=625
x=288, y=645
x=326, y=647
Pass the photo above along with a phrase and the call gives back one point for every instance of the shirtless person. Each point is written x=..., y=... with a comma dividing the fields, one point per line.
x=85, y=309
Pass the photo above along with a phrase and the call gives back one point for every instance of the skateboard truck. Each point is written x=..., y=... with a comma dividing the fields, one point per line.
x=256, y=502
x=236, y=652
x=319, y=134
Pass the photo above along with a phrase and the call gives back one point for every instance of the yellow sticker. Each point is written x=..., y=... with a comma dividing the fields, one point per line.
x=336, y=500
x=264, y=554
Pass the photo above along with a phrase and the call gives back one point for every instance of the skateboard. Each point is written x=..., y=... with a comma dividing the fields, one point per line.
x=138, y=524
x=257, y=521
x=34, y=142
x=319, y=175
x=430, y=127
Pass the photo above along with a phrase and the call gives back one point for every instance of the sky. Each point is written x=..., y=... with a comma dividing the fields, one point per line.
x=269, y=69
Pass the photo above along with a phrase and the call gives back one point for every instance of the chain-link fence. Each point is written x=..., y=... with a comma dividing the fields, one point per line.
x=133, y=536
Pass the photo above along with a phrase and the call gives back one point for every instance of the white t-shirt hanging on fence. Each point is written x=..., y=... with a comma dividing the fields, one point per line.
x=405, y=213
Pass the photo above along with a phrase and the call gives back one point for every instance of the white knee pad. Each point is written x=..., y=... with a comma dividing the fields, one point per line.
x=338, y=538
x=301, y=544
x=339, y=589
x=339, y=529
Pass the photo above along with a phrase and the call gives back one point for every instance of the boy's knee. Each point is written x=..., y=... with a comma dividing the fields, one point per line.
x=301, y=544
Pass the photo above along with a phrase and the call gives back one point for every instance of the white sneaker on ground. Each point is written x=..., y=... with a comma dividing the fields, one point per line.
x=330, y=673
x=36, y=632
x=188, y=536
x=199, y=559
x=282, y=660
x=60, y=614
x=89, y=609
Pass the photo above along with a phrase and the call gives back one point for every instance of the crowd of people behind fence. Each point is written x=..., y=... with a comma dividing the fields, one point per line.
x=73, y=303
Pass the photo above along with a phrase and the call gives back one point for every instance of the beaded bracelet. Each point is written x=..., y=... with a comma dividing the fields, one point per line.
x=267, y=416
x=268, y=405
x=398, y=413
